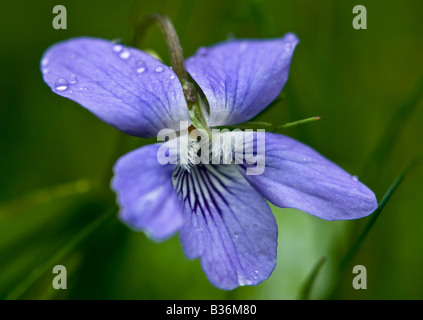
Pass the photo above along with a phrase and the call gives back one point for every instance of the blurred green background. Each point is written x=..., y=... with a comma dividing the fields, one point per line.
x=56, y=158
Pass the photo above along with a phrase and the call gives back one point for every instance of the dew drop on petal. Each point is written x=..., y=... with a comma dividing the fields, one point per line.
x=236, y=234
x=172, y=77
x=288, y=47
x=61, y=84
x=45, y=70
x=202, y=52
x=117, y=47
x=141, y=66
x=254, y=226
x=243, y=46
x=73, y=79
x=248, y=282
x=256, y=271
x=355, y=178
x=159, y=69
x=44, y=62
x=125, y=54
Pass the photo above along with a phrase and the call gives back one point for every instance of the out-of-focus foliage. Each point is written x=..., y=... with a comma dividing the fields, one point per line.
x=56, y=158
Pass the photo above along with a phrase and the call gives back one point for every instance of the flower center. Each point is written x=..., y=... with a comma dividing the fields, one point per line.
x=206, y=151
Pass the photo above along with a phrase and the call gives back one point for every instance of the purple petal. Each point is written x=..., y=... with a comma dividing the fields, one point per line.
x=227, y=224
x=124, y=87
x=296, y=176
x=241, y=77
x=146, y=195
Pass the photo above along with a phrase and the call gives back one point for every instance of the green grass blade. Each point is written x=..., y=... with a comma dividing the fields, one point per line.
x=389, y=137
x=42, y=269
x=308, y=284
x=345, y=262
x=43, y=196
x=375, y=215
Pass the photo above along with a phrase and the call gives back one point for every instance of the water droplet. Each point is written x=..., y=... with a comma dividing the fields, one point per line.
x=202, y=52
x=45, y=70
x=172, y=77
x=254, y=226
x=255, y=277
x=236, y=233
x=117, y=47
x=44, y=62
x=141, y=66
x=61, y=84
x=355, y=178
x=73, y=79
x=256, y=271
x=243, y=46
x=248, y=282
x=288, y=47
x=125, y=54
x=159, y=69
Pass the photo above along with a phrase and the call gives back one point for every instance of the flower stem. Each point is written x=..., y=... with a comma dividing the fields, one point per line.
x=172, y=42
x=192, y=93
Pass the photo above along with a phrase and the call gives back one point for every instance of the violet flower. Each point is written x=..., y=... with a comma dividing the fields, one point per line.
x=220, y=213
